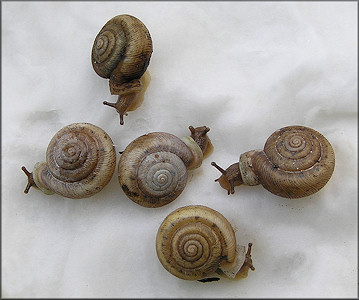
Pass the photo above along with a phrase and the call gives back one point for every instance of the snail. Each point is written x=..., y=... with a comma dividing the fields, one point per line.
x=152, y=170
x=80, y=161
x=121, y=52
x=195, y=241
x=296, y=162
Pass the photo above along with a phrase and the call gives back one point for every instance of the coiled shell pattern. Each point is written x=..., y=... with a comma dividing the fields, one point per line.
x=122, y=50
x=194, y=241
x=152, y=170
x=80, y=161
x=297, y=161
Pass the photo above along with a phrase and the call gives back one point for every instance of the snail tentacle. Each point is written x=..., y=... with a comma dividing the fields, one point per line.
x=195, y=241
x=120, y=106
x=230, y=177
x=297, y=161
x=30, y=179
x=248, y=259
x=121, y=52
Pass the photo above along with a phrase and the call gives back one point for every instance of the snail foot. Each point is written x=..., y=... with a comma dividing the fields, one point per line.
x=30, y=179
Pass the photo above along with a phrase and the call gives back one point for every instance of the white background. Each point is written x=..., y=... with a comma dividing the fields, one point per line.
x=243, y=69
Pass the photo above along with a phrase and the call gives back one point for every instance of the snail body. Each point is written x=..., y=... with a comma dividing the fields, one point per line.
x=296, y=162
x=152, y=170
x=80, y=161
x=121, y=53
x=195, y=241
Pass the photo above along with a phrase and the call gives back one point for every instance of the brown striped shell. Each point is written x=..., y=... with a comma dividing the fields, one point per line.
x=297, y=161
x=195, y=241
x=152, y=170
x=122, y=50
x=80, y=161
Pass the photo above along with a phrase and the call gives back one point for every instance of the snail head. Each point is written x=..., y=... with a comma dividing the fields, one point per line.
x=248, y=260
x=248, y=264
x=199, y=135
x=230, y=178
x=127, y=94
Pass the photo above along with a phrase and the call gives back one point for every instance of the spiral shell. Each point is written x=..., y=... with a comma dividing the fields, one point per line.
x=194, y=241
x=80, y=161
x=122, y=49
x=152, y=170
x=297, y=161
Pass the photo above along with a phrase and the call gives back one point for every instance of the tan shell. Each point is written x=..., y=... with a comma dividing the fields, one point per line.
x=122, y=51
x=297, y=161
x=152, y=170
x=80, y=161
x=194, y=241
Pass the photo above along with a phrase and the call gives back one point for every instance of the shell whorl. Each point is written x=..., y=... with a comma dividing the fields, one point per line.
x=122, y=49
x=152, y=170
x=194, y=241
x=80, y=161
x=297, y=161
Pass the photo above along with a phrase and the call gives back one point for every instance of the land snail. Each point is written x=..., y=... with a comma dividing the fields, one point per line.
x=296, y=162
x=121, y=52
x=80, y=161
x=194, y=242
x=152, y=170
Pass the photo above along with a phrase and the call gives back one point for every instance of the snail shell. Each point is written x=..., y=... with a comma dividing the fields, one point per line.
x=297, y=161
x=80, y=161
x=195, y=241
x=152, y=170
x=121, y=52
x=122, y=49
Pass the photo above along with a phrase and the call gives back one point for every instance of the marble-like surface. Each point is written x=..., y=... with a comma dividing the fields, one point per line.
x=244, y=69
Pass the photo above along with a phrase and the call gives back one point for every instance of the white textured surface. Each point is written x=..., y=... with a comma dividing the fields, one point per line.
x=244, y=70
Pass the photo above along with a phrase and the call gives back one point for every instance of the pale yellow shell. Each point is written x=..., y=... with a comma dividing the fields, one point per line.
x=194, y=241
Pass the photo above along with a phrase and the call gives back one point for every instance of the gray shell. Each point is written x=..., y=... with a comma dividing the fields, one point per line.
x=153, y=169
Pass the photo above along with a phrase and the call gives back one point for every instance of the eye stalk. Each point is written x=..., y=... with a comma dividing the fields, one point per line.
x=248, y=264
x=296, y=162
x=30, y=179
x=199, y=135
x=248, y=259
x=121, y=52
